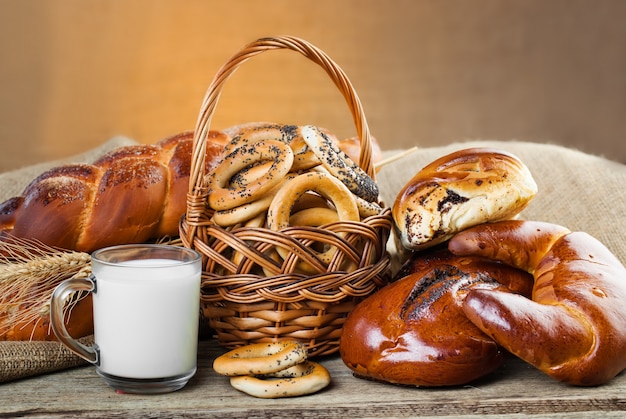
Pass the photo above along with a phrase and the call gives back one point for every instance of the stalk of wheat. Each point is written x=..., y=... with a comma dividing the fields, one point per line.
x=29, y=272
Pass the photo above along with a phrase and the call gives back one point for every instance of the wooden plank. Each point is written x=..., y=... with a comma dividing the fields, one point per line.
x=514, y=390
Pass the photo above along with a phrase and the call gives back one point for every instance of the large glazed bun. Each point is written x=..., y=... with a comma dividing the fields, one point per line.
x=414, y=331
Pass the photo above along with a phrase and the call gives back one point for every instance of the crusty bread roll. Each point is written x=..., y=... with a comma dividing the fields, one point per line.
x=460, y=190
x=130, y=195
x=414, y=331
x=574, y=328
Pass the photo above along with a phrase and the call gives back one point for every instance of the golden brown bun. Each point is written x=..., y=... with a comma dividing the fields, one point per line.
x=130, y=195
x=79, y=324
x=574, y=328
x=414, y=331
x=460, y=190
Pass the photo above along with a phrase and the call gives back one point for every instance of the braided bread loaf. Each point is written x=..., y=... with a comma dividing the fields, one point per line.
x=130, y=195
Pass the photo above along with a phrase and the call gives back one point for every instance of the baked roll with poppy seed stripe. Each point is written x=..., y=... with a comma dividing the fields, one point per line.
x=460, y=190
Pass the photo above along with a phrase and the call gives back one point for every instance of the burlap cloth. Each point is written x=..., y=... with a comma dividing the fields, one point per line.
x=577, y=190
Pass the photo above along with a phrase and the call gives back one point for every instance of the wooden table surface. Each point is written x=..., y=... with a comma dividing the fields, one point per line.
x=515, y=390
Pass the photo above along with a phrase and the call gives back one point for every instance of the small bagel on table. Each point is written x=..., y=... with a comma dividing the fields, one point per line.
x=303, y=379
x=272, y=370
x=260, y=358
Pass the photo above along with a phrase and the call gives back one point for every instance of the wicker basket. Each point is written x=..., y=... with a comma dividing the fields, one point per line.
x=243, y=306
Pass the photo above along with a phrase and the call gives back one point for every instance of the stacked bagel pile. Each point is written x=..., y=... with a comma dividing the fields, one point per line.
x=275, y=176
x=272, y=370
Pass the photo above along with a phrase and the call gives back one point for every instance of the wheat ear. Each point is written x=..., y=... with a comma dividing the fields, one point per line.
x=29, y=272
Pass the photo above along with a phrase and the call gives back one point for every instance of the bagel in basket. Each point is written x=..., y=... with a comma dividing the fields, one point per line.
x=351, y=146
x=278, y=176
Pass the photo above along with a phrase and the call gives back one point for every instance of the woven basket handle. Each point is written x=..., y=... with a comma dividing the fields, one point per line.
x=254, y=48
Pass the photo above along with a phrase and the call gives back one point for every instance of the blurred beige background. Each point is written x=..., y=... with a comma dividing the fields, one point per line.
x=75, y=73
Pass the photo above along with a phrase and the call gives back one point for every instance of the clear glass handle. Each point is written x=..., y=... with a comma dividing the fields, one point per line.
x=57, y=303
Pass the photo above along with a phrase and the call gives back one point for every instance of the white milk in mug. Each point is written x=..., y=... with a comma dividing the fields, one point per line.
x=146, y=310
x=146, y=318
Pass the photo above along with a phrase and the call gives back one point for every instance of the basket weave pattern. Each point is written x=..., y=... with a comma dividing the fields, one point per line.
x=248, y=294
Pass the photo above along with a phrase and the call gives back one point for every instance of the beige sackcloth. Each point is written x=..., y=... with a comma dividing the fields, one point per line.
x=580, y=191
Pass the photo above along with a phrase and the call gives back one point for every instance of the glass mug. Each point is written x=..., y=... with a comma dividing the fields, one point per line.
x=146, y=309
